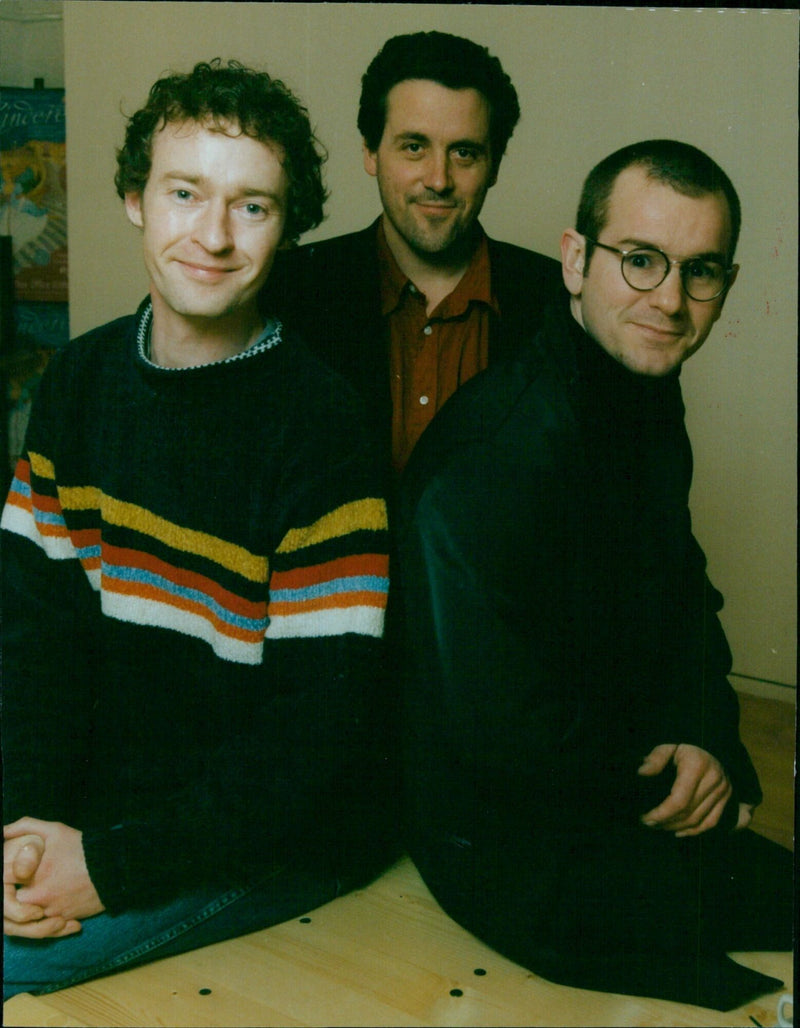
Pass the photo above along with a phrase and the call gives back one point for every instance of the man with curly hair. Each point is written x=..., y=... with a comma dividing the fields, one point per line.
x=194, y=578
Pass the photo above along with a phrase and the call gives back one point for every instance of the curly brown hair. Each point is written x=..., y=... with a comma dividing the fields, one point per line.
x=262, y=107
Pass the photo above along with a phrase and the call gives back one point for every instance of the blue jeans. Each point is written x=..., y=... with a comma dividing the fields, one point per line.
x=110, y=943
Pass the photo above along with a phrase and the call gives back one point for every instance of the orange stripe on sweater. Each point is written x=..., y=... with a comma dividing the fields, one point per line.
x=340, y=600
x=148, y=592
x=374, y=564
x=121, y=557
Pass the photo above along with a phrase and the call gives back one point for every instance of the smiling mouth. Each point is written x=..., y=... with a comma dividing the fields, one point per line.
x=436, y=205
x=666, y=335
x=205, y=271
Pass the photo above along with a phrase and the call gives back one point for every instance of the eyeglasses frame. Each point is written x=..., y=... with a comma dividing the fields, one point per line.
x=671, y=262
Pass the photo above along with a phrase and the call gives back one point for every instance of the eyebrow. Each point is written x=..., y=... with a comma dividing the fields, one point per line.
x=420, y=137
x=194, y=180
x=642, y=244
x=471, y=144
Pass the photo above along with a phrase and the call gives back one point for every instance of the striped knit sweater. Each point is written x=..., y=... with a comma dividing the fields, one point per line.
x=195, y=577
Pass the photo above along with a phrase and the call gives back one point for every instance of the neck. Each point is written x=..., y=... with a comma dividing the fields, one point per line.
x=435, y=275
x=182, y=341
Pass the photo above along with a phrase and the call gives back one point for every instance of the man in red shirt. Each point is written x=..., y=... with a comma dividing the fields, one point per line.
x=421, y=300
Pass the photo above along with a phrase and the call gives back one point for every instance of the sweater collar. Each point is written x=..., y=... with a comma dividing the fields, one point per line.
x=269, y=337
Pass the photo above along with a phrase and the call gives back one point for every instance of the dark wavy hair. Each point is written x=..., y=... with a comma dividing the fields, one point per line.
x=679, y=165
x=451, y=61
x=260, y=106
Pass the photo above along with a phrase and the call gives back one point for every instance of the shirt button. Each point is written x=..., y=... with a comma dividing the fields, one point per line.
x=427, y=330
x=423, y=400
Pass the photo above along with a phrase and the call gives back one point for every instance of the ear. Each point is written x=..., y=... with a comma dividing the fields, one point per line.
x=370, y=159
x=573, y=259
x=133, y=208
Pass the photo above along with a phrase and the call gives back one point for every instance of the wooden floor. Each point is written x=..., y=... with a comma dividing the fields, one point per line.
x=768, y=731
x=387, y=955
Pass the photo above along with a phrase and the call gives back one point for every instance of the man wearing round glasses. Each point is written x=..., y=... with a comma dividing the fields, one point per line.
x=578, y=794
x=651, y=297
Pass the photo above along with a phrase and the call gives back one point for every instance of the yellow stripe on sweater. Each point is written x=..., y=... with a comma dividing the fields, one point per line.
x=178, y=537
x=360, y=515
x=41, y=466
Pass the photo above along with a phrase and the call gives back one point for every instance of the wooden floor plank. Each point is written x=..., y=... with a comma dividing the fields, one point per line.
x=768, y=731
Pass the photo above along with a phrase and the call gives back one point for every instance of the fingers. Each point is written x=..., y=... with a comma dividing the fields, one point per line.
x=687, y=808
x=36, y=902
x=24, y=826
x=18, y=912
x=706, y=816
x=46, y=928
x=657, y=759
x=28, y=857
x=27, y=921
x=745, y=815
x=698, y=796
x=686, y=811
x=21, y=857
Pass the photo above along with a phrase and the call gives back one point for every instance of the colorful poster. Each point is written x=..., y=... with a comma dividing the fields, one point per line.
x=33, y=190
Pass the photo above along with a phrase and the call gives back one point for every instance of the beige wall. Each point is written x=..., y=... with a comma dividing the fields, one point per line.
x=590, y=80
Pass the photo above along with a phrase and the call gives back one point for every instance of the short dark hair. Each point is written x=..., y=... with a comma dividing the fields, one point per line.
x=679, y=165
x=451, y=61
x=262, y=107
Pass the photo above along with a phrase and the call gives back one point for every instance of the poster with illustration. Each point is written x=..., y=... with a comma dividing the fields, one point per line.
x=33, y=184
x=33, y=212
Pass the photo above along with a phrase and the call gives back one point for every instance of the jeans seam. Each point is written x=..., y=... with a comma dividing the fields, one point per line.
x=129, y=958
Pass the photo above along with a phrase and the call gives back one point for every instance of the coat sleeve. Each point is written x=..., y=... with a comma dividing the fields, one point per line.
x=705, y=710
x=47, y=640
x=699, y=705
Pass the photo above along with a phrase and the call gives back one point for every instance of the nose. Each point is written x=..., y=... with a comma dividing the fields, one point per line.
x=437, y=172
x=669, y=297
x=212, y=229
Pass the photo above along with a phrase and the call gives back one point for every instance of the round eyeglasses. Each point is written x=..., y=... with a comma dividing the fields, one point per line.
x=645, y=268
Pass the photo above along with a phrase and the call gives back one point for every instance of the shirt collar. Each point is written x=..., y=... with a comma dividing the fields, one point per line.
x=475, y=284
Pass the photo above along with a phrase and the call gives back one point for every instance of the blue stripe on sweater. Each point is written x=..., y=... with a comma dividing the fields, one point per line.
x=358, y=583
x=141, y=577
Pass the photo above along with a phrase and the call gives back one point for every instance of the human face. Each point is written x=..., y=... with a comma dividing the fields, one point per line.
x=650, y=333
x=433, y=167
x=212, y=217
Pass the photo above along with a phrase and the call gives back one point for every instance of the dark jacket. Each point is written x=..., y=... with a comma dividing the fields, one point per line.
x=559, y=625
x=330, y=292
